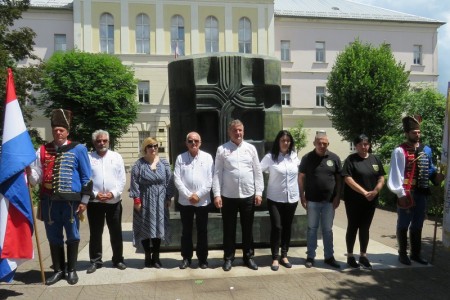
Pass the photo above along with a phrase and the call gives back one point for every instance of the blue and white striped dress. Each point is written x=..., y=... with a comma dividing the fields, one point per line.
x=153, y=188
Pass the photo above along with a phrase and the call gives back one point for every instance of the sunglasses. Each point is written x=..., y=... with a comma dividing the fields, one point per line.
x=101, y=141
x=193, y=141
x=154, y=146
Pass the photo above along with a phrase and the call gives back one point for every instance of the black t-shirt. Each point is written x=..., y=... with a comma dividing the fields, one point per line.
x=320, y=171
x=365, y=172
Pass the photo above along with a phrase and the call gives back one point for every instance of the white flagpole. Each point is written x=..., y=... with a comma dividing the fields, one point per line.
x=446, y=163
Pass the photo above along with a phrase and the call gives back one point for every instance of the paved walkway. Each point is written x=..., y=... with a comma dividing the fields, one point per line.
x=388, y=280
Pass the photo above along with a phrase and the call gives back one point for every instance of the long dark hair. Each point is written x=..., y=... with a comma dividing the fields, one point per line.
x=276, y=144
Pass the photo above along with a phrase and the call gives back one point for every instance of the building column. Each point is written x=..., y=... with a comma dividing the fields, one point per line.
x=160, y=37
x=270, y=30
x=228, y=28
x=261, y=31
x=87, y=26
x=194, y=30
x=124, y=28
x=77, y=29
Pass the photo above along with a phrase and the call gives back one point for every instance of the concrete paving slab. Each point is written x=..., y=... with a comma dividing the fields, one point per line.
x=381, y=257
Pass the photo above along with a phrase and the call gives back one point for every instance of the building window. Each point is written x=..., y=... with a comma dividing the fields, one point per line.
x=417, y=55
x=107, y=33
x=286, y=95
x=177, y=35
x=211, y=35
x=144, y=92
x=245, y=35
x=320, y=51
x=286, y=50
x=60, y=42
x=142, y=34
x=320, y=96
x=352, y=147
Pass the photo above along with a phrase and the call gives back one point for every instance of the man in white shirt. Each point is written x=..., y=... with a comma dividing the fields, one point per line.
x=237, y=185
x=193, y=179
x=108, y=175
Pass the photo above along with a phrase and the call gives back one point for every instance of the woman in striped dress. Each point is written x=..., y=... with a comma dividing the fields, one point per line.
x=151, y=188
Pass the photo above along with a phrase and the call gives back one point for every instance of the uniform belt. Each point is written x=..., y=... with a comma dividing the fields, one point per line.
x=406, y=181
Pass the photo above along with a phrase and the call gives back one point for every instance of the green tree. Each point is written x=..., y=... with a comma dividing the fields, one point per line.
x=365, y=88
x=430, y=105
x=15, y=45
x=97, y=88
x=299, y=134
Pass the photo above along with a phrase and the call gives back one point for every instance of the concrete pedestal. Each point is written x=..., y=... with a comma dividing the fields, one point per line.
x=261, y=230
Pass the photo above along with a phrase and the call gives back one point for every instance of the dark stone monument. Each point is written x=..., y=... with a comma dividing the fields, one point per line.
x=208, y=91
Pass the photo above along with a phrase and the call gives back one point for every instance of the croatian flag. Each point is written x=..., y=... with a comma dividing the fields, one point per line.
x=16, y=217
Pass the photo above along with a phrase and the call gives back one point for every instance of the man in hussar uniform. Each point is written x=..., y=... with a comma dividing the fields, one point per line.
x=411, y=171
x=63, y=170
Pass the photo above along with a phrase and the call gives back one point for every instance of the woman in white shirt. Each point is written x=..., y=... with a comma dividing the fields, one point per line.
x=282, y=195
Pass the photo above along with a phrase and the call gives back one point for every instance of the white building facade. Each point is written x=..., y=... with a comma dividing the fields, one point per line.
x=305, y=35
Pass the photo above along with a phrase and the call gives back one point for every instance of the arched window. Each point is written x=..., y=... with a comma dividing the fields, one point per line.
x=142, y=34
x=177, y=35
x=211, y=34
x=245, y=35
x=107, y=33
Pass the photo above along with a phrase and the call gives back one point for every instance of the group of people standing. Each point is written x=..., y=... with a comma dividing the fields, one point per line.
x=73, y=180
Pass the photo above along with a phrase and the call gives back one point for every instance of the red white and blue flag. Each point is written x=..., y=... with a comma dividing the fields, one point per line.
x=16, y=217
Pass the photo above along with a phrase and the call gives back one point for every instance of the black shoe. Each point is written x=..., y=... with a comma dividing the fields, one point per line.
x=250, y=263
x=274, y=267
x=419, y=259
x=309, y=262
x=203, y=264
x=363, y=261
x=72, y=277
x=57, y=276
x=285, y=264
x=157, y=264
x=332, y=262
x=185, y=263
x=226, y=265
x=91, y=269
x=120, y=266
x=351, y=261
x=404, y=259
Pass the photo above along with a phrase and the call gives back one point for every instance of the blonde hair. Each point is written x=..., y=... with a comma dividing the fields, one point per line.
x=146, y=142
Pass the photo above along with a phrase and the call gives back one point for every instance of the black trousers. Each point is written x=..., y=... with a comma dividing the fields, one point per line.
x=246, y=209
x=97, y=213
x=359, y=216
x=201, y=221
x=281, y=217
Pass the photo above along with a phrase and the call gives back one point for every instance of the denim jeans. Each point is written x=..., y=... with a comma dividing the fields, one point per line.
x=413, y=217
x=322, y=212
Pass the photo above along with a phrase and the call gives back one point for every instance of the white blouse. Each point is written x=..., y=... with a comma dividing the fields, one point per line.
x=283, y=177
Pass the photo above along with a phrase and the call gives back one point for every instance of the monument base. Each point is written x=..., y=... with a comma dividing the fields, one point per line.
x=261, y=230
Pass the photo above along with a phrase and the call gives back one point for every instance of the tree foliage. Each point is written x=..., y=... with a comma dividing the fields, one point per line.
x=17, y=44
x=299, y=134
x=430, y=105
x=365, y=88
x=97, y=88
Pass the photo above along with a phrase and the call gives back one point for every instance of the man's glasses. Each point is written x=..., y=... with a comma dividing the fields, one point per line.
x=101, y=141
x=154, y=146
x=193, y=141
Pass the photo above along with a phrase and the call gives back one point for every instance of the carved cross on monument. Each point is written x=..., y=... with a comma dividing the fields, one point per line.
x=208, y=91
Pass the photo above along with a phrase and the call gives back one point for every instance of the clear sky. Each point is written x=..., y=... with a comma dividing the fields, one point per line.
x=434, y=9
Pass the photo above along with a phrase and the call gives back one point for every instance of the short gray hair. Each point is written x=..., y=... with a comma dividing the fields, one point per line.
x=98, y=132
x=235, y=122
